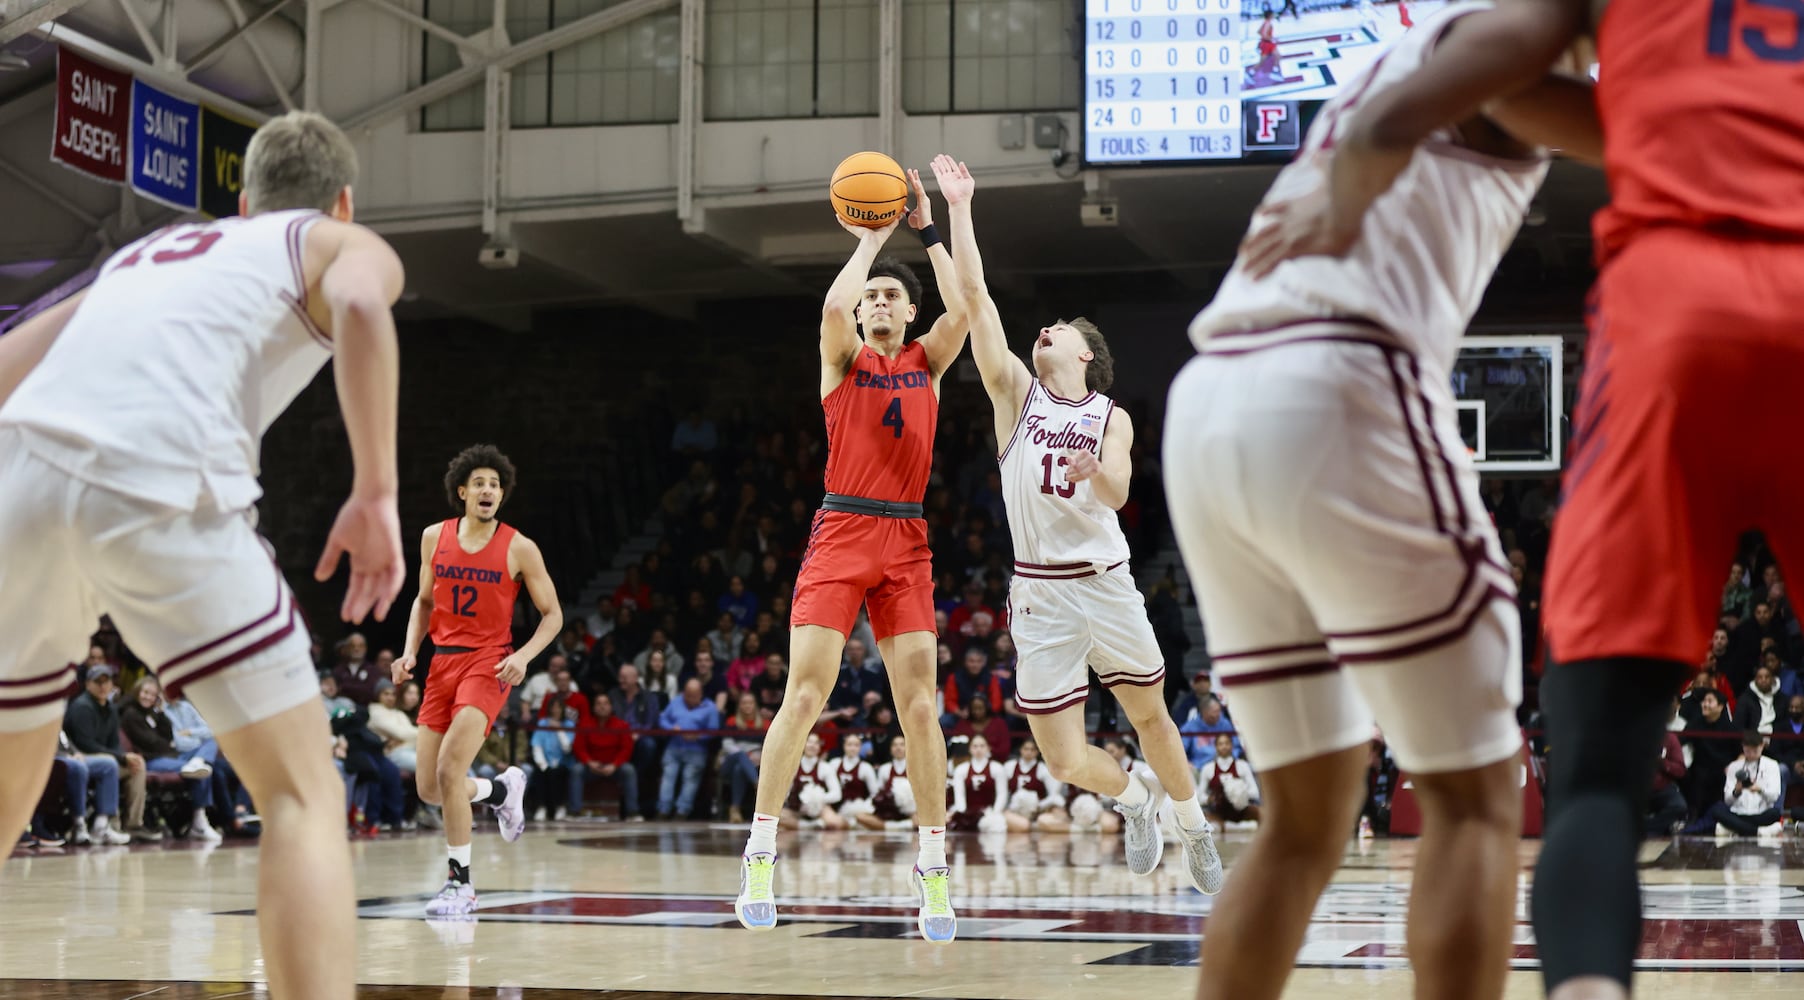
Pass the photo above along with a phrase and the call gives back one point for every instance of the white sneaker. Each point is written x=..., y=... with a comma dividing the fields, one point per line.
x=80, y=834
x=202, y=830
x=512, y=811
x=538, y=815
x=1771, y=830
x=456, y=899
x=197, y=768
x=560, y=814
x=105, y=834
x=756, y=906
x=1201, y=859
x=1140, y=831
x=933, y=889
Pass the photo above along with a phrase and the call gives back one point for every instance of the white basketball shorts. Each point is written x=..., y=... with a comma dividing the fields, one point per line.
x=1330, y=519
x=195, y=594
x=1061, y=627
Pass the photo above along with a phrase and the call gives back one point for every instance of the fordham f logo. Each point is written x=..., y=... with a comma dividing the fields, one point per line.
x=1272, y=125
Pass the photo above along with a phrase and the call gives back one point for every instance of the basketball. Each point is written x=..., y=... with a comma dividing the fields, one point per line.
x=869, y=190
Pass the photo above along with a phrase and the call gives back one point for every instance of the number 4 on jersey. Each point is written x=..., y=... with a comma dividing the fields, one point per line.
x=892, y=417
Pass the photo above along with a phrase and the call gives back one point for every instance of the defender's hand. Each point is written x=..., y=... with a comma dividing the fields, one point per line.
x=369, y=531
x=921, y=216
x=954, y=178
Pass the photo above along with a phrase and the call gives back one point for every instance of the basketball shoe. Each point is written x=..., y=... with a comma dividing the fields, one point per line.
x=756, y=906
x=1201, y=859
x=1140, y=830
x=511, y=813
x=933, y=890
x=456, y=899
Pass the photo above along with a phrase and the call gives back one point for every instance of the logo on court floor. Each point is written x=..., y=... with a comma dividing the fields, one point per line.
x=1688, y=928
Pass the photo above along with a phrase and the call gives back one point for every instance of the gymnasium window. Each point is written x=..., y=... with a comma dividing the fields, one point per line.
x=989, y=55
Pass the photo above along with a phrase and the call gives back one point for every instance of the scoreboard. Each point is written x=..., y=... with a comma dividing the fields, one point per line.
x=1162, y=80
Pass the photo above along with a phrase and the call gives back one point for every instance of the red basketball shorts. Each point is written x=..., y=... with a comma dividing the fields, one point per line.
x=454, y=680
x=1686, y=434
x=880, y=562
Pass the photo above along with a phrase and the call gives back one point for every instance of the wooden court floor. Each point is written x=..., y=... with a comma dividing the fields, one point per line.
x=645, y=910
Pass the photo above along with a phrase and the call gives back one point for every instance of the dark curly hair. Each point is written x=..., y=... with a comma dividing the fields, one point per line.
x=477, y=456
x=890, y=267
x=1099, y=374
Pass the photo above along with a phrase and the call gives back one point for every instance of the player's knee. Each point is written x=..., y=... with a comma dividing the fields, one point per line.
x=1063, y=762
x=445, y=775
x=1490, y=795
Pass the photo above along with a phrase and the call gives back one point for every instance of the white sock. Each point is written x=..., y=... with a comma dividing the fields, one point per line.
x=1135, y=795
x=764, y=835
x=484, y=788
x=200, y=820
x=461, y=855
x=933, y=848
x=1189, y=812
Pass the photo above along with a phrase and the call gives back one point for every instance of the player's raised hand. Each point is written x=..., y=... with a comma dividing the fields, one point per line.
x=1301, y=227
x=864, y=232
x=367, y=529
x=955, y=180
x=920, y=216
x=1081, y=465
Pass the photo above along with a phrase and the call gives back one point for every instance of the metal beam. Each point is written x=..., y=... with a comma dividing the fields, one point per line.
x=40, y=99
x=143, y=30
x=312, y=54
x=469, y=46
x=889, y=76
x=212, y=53
x=497, y=107
x=20, y=16
x=530, y=49
x=50, y=195
x=171, y=82
x=689, y=108
x=257, y=53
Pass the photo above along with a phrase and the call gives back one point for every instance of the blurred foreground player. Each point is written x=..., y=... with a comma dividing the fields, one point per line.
x=471, y=569
x=1329, y=512
x=136, y=502
x=1689, y=396
x=868, y=546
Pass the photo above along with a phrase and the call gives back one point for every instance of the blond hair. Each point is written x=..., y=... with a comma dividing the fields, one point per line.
x=299, y=160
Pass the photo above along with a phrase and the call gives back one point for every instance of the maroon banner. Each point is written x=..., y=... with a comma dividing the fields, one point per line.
x=93, y=116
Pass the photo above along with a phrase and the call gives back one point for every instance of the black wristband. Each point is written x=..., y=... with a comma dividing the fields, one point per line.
x=929, y=236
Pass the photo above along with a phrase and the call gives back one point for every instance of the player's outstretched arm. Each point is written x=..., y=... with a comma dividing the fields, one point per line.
x=419, y=618
x=946, y=340
x=22, y=349
x=1110, y=473
x=839, y=319
x=524, y=558
x=1559, y=112
x=1004, y=375
x=1481, y=57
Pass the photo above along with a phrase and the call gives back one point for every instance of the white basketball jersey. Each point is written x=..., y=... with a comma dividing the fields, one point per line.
x=1429, y=244
x=190, y=342
x=1057, y=524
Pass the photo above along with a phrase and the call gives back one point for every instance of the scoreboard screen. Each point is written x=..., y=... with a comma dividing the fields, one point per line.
x=1223, y=81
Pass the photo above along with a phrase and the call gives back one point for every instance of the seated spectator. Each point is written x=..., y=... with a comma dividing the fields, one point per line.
x=673, y=660
x=539, y=683
x=153, y=737
x=563, y=688
x=1666, y=807
x=693, y=621
x=401, y=738
x=602, y=673
x=726, y=638
x=1207, y=721
x=769, y=686
x=81, y=779
x=773, y=638
x=602, y=621
x=1789, y=752
x=1202, y=687
x=554, y=760
x=1736, y=593
x=573, y=646
x=633, y=593
x=657, y=676
x=979, y=722
x=356, y=676
x=739, y=602
x=411, y=695
x=640, y=709
x=1712, y=750
x=1230, y=792
x=714, y=685
x=1750, y=803
x=749, y=664
x=605, y=750
x=1761, y=703
x=364, y=762
x=740, y=754
x=685, y=757
x=92, y=724
x=384, y=663
x=846, y=700
x=193, y=734
x=972, y=679
x=973, y=603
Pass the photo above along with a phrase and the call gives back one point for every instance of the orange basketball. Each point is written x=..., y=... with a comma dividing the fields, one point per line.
x=869, y=190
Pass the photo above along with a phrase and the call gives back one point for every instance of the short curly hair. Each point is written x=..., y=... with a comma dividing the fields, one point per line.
x=477, y=456
x=1099, y=374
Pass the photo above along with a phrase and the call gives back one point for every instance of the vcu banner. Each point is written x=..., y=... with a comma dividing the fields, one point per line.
x=165, y=147
x=222, y=144
x=93, y=112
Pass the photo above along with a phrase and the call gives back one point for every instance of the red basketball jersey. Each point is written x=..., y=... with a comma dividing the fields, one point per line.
x=472, y=592
x=880, y=424
x=1703, y=109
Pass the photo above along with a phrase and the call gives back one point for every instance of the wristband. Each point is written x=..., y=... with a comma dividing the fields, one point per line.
x=929, y=236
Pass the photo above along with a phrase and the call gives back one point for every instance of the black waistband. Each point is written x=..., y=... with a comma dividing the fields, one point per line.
x=454, y=650
x=874, y=508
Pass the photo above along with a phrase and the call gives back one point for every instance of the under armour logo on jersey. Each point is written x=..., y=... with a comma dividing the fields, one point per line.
x=1027, y=611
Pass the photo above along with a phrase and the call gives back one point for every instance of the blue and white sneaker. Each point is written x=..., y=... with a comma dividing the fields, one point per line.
x=756, y=906
x=933, y=890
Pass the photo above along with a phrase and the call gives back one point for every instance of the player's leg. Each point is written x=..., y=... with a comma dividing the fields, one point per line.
x=910, y=660
x=814, y=653
x=29, y=748
x=1653, y=500
x=425, y=771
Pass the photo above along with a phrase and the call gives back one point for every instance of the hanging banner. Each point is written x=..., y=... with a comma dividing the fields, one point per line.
x=93, y=113
x=165, y=147
x=222, y=144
